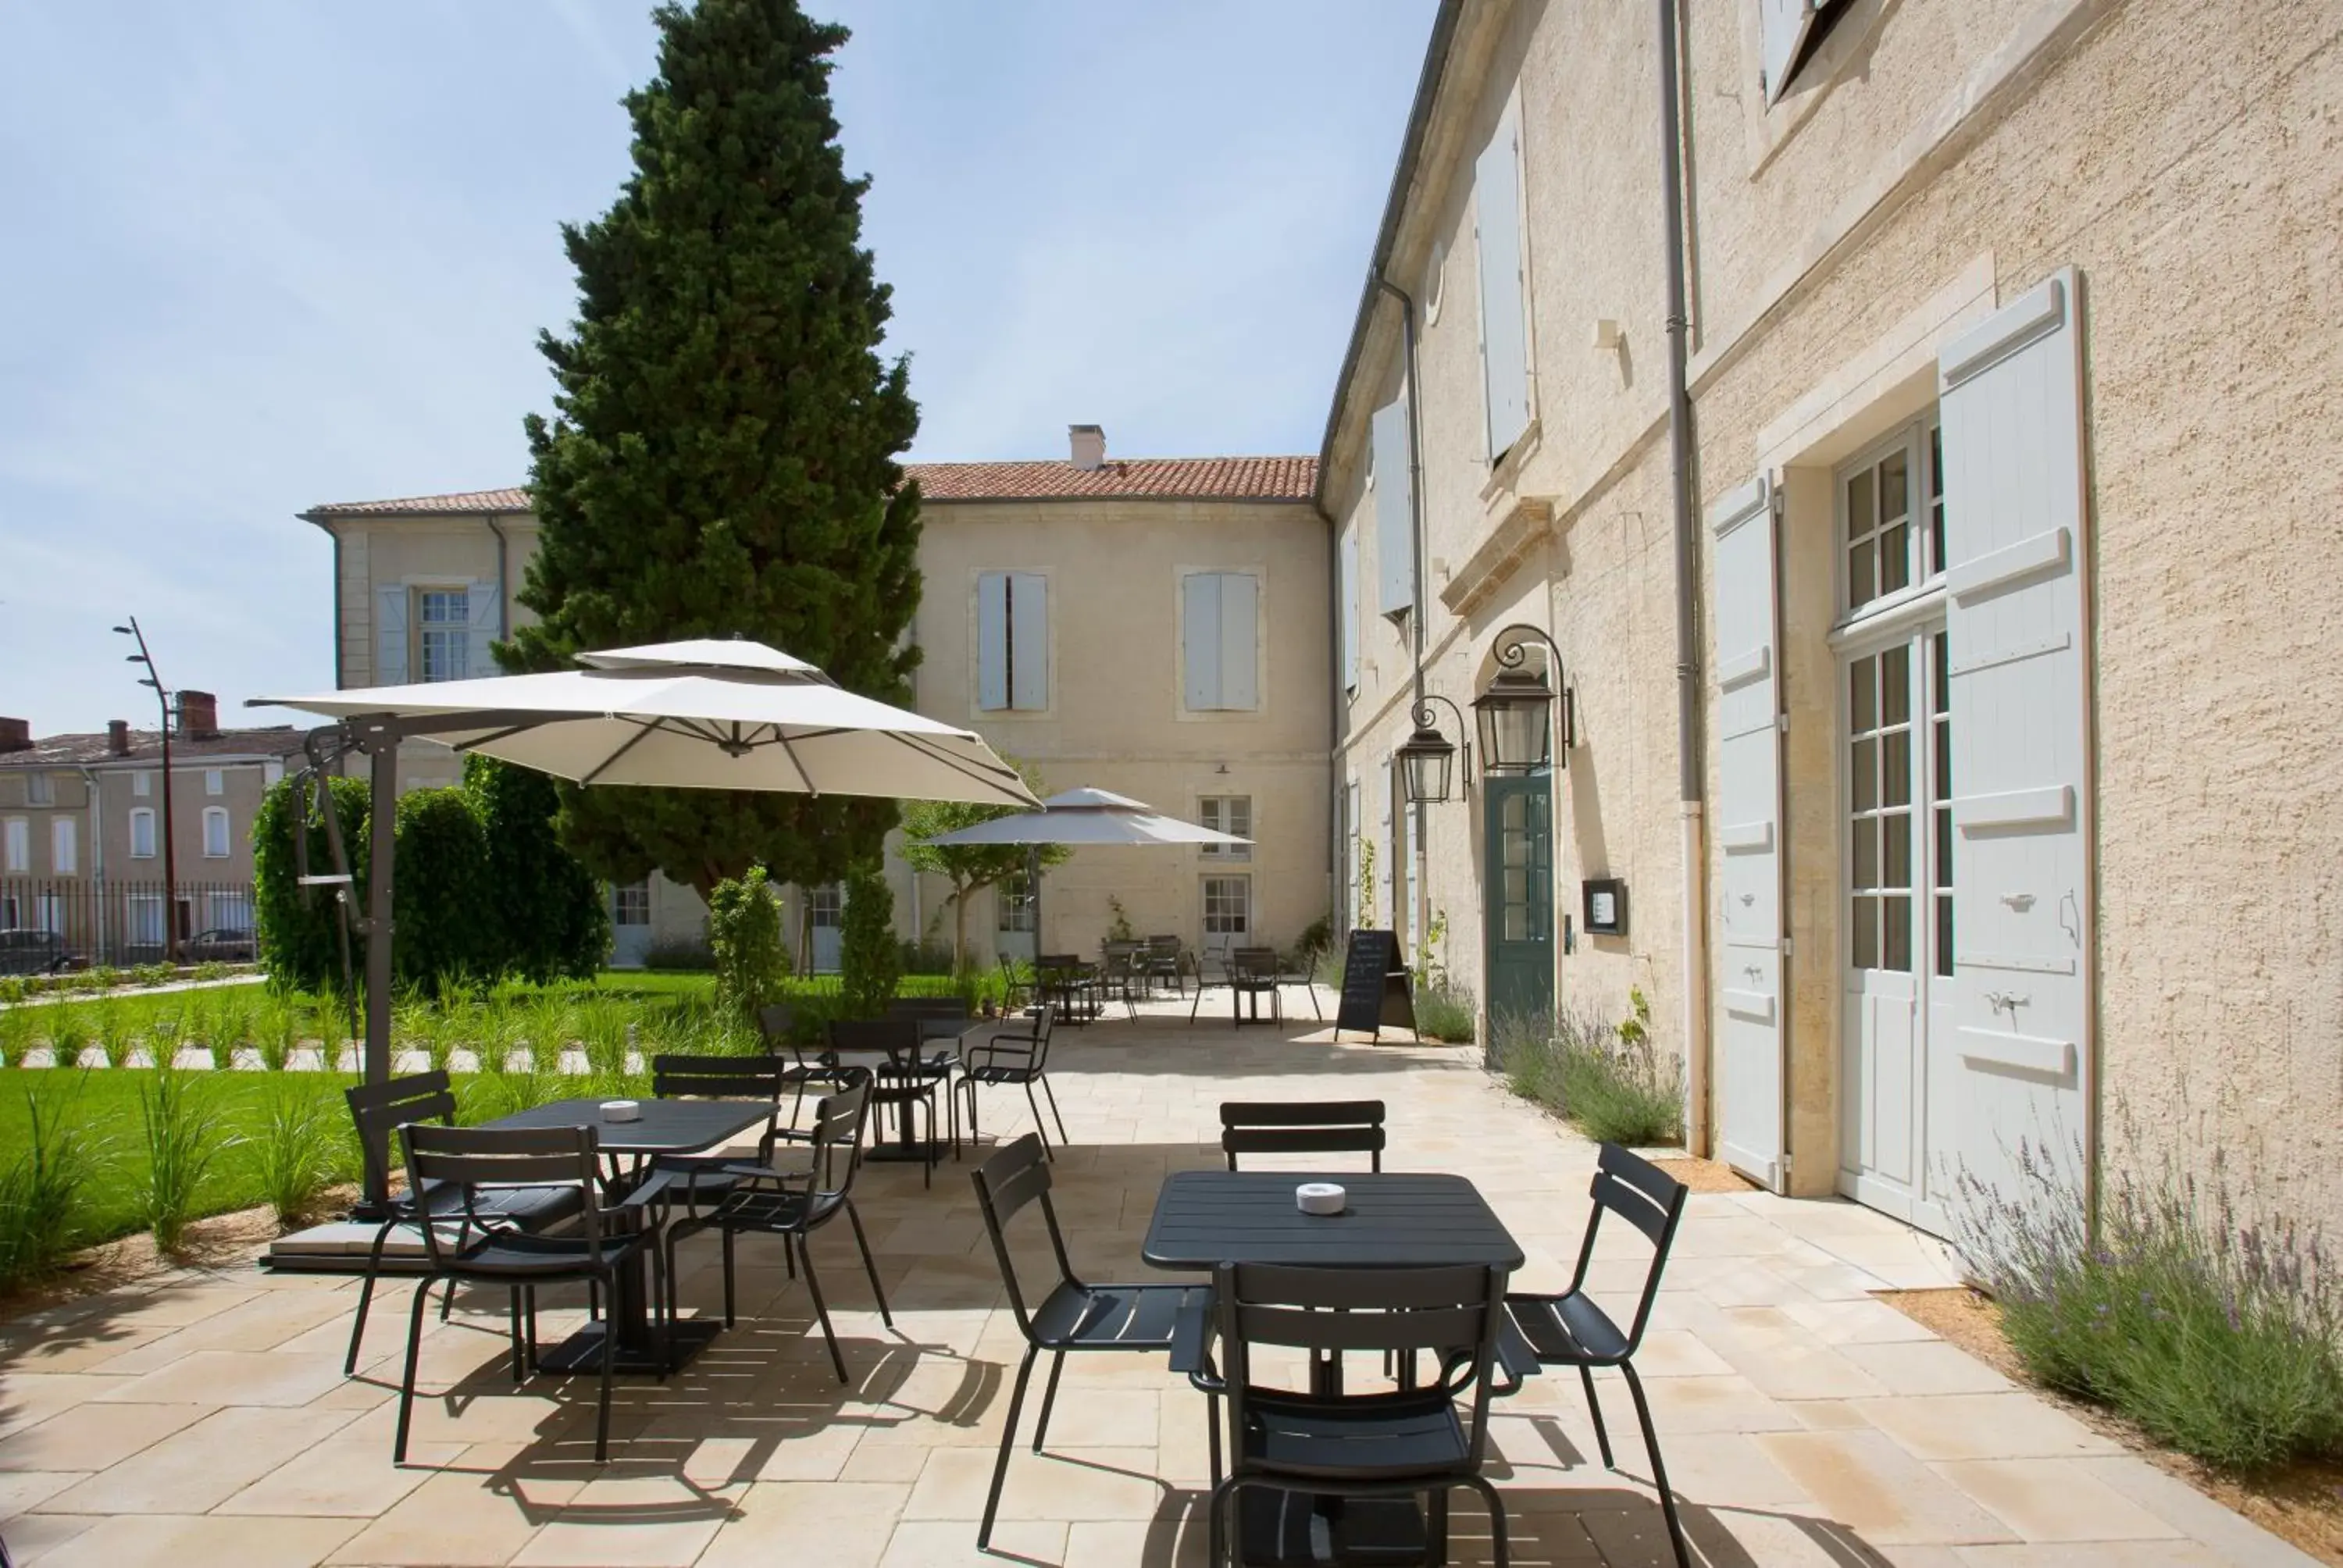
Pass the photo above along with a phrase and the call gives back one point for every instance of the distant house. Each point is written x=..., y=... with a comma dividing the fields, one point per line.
x=82, y=830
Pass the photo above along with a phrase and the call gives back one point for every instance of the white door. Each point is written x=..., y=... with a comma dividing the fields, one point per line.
x=1012, y=920
x=630, y=925
x=2018, y=646
x=826, y=915
x=1748, y=867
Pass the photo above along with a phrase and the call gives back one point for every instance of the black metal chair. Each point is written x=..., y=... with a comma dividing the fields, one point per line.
x=793, y=1205
x=1302, y=1127
x=1322, y=1442
x=902, y=1077
x=473, y=1161
x=1165, y=961
x=1571, y=1330
x=1074, y=1316
x=700, y=1181
x=1070, y=985
x=1253, y=975
x=1018, y=1056
x=378, y=1110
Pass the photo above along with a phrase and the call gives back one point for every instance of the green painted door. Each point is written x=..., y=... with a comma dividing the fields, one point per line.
x=1518, y=890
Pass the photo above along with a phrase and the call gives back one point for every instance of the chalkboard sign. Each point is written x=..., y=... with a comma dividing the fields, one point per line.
x=1376, y=992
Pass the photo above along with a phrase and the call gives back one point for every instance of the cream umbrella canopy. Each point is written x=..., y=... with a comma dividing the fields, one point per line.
x=707, y=714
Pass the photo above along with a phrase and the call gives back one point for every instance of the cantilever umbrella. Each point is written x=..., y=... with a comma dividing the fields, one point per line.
x=1078, y=817
x=698, y=715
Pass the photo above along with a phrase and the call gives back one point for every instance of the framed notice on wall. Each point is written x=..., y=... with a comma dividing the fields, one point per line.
x=1606, y=907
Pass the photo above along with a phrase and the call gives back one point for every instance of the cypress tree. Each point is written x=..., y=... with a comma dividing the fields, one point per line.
x=722, y=458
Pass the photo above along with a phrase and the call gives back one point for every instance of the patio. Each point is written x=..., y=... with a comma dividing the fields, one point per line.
x=206, y=1418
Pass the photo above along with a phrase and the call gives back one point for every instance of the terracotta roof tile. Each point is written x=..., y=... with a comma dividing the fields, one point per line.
x=145, y=745
x=512, y=499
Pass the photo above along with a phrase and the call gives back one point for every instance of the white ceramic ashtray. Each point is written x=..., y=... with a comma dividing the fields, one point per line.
x=1320, y=1198
x=621, y=1111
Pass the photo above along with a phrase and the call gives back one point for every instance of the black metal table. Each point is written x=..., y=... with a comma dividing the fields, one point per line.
x=1390, y=1219
x=934, y=1067
x=665, y=1126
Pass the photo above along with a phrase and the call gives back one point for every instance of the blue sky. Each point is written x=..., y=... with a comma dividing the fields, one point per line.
x=264, y=255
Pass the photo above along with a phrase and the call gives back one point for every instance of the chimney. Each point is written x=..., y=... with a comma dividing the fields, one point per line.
x=118, y=736
x=16, y=735
x=198, y=714
x=1089, y=442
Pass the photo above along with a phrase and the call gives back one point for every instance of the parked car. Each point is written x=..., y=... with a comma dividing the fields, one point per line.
x=27, y=951
x=220, y=945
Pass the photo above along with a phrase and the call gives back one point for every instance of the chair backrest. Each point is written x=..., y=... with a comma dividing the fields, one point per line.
x=1018, y=1174
x=381, y=1109
x=896, y=1039
x=939, y=1017
x=1647, y=1197
x=1453, y=1312
x=778, y=1024
x=838, y=1121
x=725, y=1078
x=1253, y=961
x=1163, y=946
x=470, y=1159
x=1302, y=1127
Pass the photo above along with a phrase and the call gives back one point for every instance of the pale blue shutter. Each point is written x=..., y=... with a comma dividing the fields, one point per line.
x=485, y=609
x=390, y=635
x=1350, y=610
x=1748, y=876
x=1504, y=344
x=1028, y=640
x=1394, y=511
x=1783, y=28
x=1200, y=624
x=993, y=640
x=1239, y=641
x=2017, y=633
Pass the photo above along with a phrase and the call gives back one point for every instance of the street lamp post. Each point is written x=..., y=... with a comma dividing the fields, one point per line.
x=154, y=678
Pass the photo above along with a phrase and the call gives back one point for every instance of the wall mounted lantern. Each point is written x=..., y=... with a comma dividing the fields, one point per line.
x=1427, y=762
x=1516, y=715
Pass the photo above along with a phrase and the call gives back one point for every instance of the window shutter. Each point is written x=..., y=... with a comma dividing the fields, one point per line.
x=390, y=635
x=1200, y=620
x=1028, y=640
x=63, y=844
x=1784, y=26
x=1505, y=345
x=1239, y=641
x=992, y=642
x=1748, y=835
x=1349, y=589
x=1394, y=510
x=2011, y=405
x=486, y=609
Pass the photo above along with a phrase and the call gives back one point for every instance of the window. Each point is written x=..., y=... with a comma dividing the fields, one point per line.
x=1892, y=507
x=228, y=913
x=142, y=833
x=216, y=832
x=1789, y=30
x=19, y=835
x=1012, y=643
x=444, y=616
x=1013, y=904
x=1879, y=800
x=1227, y=814
x=630, y=903
x=63, y=855
x=147, y=919
x=40, y=790
x=1220, y=641
x=141, y=783
x=826, y=906
x=1228, y=906
x=1504, y=318
x=214, y=780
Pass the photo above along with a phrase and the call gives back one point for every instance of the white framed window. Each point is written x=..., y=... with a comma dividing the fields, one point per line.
x=40, y=790
x=141, y=783
x=229, y=912
x=18, y=833
x=1012, y=643
x=1220, y=641
x=214, y=780
x=142, y=832
x=1227, y=814
x=215, y=834
x=1228, y=906
x=443, y=633
x=146, y=918
x=64, y=847
x=1013, y=904
x=826, y=906
x=630, y=903
x=1892, y=518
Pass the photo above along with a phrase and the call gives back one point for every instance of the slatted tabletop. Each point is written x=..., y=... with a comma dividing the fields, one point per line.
x=665, y=1126
x=1394, y=1219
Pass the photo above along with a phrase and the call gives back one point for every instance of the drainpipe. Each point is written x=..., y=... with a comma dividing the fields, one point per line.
x=1419, y=612
x=1692, y=776
x=1337, y=714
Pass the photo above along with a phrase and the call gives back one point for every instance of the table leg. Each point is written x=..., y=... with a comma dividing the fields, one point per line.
x=626, y=1327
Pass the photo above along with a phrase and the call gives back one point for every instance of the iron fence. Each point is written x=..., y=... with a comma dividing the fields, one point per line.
x=73, y=923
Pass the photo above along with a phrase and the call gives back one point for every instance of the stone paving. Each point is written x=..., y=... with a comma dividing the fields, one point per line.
x=206, y=1419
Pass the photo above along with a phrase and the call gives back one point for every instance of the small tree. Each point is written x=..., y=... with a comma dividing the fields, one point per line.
x=439, y=901
x=299, y=927
x=968, y=867
x=549, y=919
x=744, y=932
x=870, y=959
